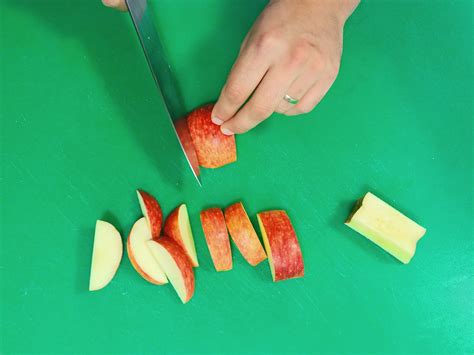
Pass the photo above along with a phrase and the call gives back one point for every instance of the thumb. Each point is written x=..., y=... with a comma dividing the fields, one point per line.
x=116, y=4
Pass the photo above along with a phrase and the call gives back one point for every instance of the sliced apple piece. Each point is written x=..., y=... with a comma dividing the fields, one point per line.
x=140, y=256
x=177, y=227
x=182, y=130
x=217, y=238
x=385, y=226
x=106, y=255
x=176, y=264
x=243, y=234
x=213, y=148
x=152, y=211
x=281, y=243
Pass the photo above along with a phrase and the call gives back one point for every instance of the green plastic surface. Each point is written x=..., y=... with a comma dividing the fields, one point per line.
x=82, y=128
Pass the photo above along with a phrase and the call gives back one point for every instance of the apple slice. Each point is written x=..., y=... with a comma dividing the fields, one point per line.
x=217, y=238
x=281, y=243
x=177, y=227
x=140, y=256
x=176, y=265
x=243, y=234
x=106, y=255
x=386, y=227
x=213, y=148
x=182, y=130
x=152, y=211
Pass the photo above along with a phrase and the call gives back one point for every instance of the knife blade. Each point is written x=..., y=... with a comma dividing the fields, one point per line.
x=160, y=68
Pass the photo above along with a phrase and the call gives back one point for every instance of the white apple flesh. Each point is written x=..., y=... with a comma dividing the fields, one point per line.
x=106, y=255
x=140, y=256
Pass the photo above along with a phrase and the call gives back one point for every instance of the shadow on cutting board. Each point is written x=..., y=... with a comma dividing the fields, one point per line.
x=112, y=46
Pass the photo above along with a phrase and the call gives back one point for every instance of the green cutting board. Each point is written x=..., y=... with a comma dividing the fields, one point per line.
x=83, y=127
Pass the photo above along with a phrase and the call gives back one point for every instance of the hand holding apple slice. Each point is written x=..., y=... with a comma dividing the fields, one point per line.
x=140, y=256
x=281, y=243
x=213, y=148
x=217, y=238
x=176, y=265
x=152, y=211
x=106, y=255
x=243, y=234
x=177, y=227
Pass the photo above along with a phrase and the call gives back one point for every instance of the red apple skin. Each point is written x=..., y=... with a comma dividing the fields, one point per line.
x=183, y=262
x=138, y=268
x=213, y=148
x=171, y=229
x=188, y=146
x=243, y=234
x=217, y=238
x=285, y=249
x=154, y=213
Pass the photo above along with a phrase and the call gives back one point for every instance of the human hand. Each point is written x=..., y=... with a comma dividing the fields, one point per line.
x=294, y=48
x=116, y=4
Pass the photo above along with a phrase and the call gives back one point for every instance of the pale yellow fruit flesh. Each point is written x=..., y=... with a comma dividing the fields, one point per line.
x=187, y=234
x=385, y=226
x=139, y=236
x=170, y=267
x=106, y=255
x=267, y=246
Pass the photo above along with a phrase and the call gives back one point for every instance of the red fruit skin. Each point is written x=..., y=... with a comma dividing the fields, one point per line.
x=217, y=238
x=171, y=229
x=154, y=213
x=213, y=148
x=183, y=262
x=243, y=234
x=285, y=248
x=188, y=146
x=137, y=267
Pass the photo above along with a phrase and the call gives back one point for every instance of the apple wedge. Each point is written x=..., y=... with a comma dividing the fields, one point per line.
x=385, y=226
x=140, y=256
x=106, y=255
x=217, y=238
x=213, y=148
x=281, y=243
x=177, y=227
x=152, y=211
x=176, y=265
x=182, y=130
x=243, y=234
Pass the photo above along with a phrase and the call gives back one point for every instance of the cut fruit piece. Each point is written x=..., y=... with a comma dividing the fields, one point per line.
x=176, y=265
x=386, y=227
x=217, y=238
x=106, y=255
x=281, y=243
x=182, y=130
x=152, y=211
x=140, y=256
x=213, y=148
x=243, y=234
x=177, y=227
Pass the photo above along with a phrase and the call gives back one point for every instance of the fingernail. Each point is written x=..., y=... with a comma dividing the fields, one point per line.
x=226, y=131
x=216, y=120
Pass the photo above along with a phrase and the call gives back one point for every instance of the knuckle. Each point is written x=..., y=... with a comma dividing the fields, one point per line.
x=267, y=41
x=234, y=94
x=299, y=54
x=261, y=111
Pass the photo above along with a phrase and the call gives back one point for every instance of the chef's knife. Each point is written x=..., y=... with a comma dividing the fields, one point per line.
x=160, y=69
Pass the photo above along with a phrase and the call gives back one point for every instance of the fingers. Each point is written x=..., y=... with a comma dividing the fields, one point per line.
x=304, y=83
x=244, y=77
x=116, y=4
x=311, y=98
x=263, y=103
